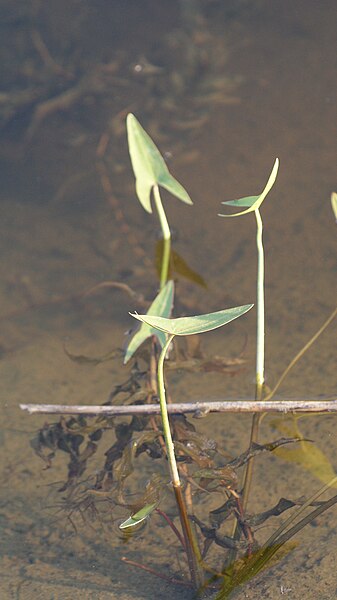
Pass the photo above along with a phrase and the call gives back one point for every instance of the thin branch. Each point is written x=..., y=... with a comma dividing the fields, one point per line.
x=198, y=409
x=154, y=572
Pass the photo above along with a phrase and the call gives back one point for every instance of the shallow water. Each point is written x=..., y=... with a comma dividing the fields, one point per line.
x=275, y=64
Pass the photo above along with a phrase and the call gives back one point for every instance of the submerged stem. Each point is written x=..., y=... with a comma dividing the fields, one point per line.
x=192, y=550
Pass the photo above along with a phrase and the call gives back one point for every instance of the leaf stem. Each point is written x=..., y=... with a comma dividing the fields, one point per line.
x=166, y=236
x=260, y=351
x=259, y=377
x=260, y=332
x=164, y=416
x=161, y=213
x=192, y=550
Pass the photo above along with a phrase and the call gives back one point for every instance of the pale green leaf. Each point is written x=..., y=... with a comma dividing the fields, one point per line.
x=196, y=324
x=149, y=166
x=254, y=202
x=334, y=204
x=307, y=454
x=138, y=517
x=162, y=305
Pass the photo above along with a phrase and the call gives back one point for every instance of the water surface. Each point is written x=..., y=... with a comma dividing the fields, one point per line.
x=265, y=87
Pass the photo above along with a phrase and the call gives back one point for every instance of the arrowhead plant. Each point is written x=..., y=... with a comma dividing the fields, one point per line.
x=172, y=327
x=151, y=172
x=252, y=204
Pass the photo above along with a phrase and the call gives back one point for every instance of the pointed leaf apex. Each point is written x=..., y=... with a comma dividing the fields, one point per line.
x=334, y=204
x=149, y=166
x=196, y=324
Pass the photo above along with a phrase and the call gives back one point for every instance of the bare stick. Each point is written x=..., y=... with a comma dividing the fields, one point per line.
x=199, y=409
x=156, y=573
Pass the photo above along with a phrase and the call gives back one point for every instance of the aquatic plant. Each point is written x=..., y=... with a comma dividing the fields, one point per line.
x=198, y=466
x=172, y=327
x=151, y=172
x=253, y=204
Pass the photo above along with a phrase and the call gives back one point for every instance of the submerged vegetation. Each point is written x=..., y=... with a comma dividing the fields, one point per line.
x=202, y=496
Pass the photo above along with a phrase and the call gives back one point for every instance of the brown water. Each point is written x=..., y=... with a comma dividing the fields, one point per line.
x=275, y=64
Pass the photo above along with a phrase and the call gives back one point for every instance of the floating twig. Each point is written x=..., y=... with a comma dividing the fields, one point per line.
x=198, y=409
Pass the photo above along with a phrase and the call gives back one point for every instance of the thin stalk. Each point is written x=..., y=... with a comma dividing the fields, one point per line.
x=260, y=336
x=164, y=416
x=192, y=550
x=166, y=236
x=172, y=525
x=259, y=377
x=154, y=572
x=260, y=328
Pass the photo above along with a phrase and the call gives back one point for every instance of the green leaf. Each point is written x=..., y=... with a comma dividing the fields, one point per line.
x=138, y=517
x=194, y=325
x=149, y=166
x=247, y=201
x=162, y=305
x=334, y=204
x=254, y=202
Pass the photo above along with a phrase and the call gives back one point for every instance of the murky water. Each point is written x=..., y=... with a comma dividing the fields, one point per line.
x=223, y=95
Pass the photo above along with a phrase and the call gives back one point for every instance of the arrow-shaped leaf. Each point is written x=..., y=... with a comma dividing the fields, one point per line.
x=253, y=202
x=196, y=324
x=162, y=305
x=149, y=166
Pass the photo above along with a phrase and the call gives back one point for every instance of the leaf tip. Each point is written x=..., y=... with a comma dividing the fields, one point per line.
x=135, y=315
x=130, y=117
x=334, y=204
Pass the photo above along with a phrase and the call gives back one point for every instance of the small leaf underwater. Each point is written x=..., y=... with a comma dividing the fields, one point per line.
x=138, y=517
x=307, y=454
